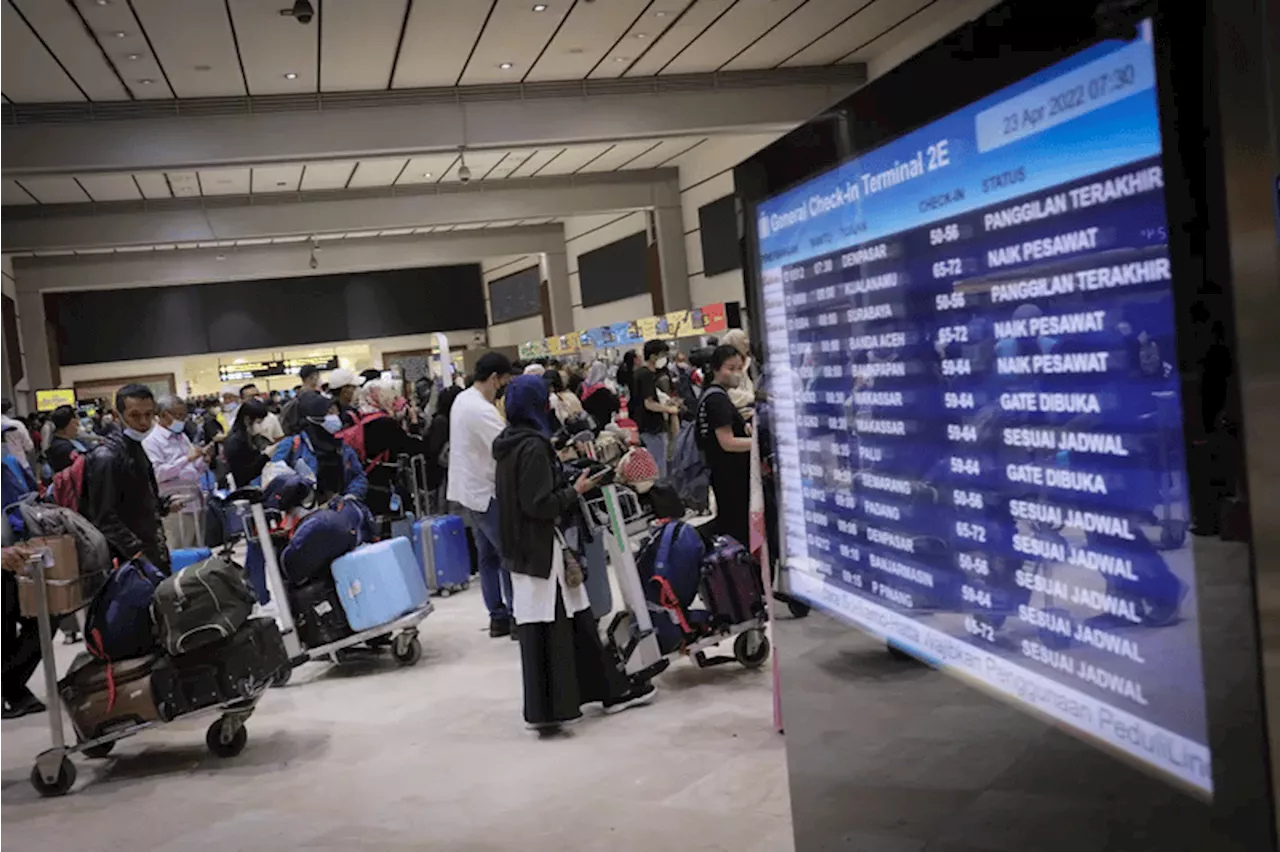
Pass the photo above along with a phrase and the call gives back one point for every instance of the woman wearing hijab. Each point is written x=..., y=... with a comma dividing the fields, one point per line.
x=385, y=439
x=336, y=467
x=564, y=663
x=597, y=399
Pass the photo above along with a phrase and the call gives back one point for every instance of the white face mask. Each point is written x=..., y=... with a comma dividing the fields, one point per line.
x=176, y=427
x=332, y=424
x=661, y=363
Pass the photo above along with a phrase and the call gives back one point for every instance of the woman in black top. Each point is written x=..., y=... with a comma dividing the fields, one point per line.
x=244, y=460
x=722, y=435
x=597, y=400
x=385, y=440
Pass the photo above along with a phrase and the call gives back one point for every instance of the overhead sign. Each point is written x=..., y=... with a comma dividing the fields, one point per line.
x=48, y=400
x=708, y=319
x=262, y=369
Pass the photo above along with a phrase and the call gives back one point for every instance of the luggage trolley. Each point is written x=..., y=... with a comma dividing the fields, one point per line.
x=402, y=632
x=54, y=773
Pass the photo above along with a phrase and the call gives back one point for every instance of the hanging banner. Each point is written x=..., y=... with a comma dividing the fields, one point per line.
x=708, y=319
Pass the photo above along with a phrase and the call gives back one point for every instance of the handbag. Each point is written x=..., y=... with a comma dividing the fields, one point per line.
x=574, y=575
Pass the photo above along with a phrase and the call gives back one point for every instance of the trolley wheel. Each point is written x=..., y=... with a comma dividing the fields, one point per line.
x=1173, y=534
x=60, y=785
x=283, y=676
x=445, y=591
x=99, y=751
x=799, y=609
x=407, y=650
x=225, y=748
x=466, y=584
x=751, y=648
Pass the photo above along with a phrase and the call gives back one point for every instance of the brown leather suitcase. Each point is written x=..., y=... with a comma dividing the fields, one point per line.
x=95, y=707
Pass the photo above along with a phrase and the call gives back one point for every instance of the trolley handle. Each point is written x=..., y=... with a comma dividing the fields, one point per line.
x=250, y=494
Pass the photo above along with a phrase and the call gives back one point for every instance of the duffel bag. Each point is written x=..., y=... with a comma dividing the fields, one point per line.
x=92, y=550
x=319, y=539
x=118, y=623
x=201, y=604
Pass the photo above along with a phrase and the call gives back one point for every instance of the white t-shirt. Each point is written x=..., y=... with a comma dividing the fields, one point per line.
x=474, y=422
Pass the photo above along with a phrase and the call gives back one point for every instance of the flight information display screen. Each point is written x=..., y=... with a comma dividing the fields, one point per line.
x=975, y=404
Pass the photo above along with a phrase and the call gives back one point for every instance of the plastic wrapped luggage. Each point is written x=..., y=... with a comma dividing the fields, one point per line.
x=103, y=697
x=732, y=588
x=440, y=545
x=318, y=614
x=181, y=558
x=379, y=582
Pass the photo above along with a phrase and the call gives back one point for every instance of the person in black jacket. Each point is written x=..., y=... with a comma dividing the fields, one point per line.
x=121, y=495
x=385, y=441
x=565, y=666
x=66, y=442
x=245, y=460
x=597, y=399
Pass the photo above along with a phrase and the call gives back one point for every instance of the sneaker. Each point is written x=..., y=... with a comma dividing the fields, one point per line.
x=71, y=638
x=641, y=694
x=499, y=627
x=24, y=706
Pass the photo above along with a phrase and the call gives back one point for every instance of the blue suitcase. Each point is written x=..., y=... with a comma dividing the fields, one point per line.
x=440, y=545
x=181, y=558
x=378, y=583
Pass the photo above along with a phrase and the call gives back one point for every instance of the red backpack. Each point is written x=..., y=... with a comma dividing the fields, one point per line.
x=68, y=484
x=353, y=437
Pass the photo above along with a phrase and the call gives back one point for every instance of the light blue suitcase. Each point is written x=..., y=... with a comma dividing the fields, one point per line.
x=379, y=582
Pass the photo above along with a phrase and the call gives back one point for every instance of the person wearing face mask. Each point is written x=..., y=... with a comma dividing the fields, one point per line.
x=722, y=436
x=474, y=423
x=178, y=466
x=645, y=407
x=121, y=496
x=65, y=443
x=245, y=458
x=336, y=467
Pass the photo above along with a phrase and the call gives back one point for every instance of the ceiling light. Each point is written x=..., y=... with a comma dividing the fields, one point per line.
x=642, y=35
x=282, y=183
x=426, y=174
x=103, y=2
x=620, y=59
x=221, y=256
x=146, y=81
x=659, y=14
x=120, y=34
x=202, y=67
x=540, y=7
x=134, y=57
x=505, y=66
x=291, y=75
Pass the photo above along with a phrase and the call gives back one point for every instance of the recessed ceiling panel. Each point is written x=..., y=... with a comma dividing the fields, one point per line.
x=61, y=29
x=588, y=33
x=646, y=32
x=535, y=162
x=429, y=168
x=30, y=73
x=668, y=149
x=14, y=194
x=192, y=41
x=327, y=175
x=619, y=155
x=734, y=31
x=184, y=184
x=437, y=41
x=358, y=43
x=54, y=190
x=479, y=162
x=379, y=172
x=229, y=181
x=514, y=36
x=153, y=184
x=863, y=28
x=510, y=163
x=279, y=55
x=573, y=159
x=806, y=24
x=113, y=187
x=676, y=38
x=124, y=38
x=276, y=178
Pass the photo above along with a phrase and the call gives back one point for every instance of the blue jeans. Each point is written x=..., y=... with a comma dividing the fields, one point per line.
x=495, y=580
x=656, y=443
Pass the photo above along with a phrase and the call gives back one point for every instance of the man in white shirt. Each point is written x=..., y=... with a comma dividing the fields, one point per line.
x=474, y=422
x=178, y=466
x=17, y=436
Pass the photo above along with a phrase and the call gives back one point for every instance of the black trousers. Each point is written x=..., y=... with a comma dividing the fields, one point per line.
x=21, y=644
x=565, y=666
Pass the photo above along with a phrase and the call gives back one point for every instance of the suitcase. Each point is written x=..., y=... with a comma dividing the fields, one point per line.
x=181, y=558
x=87, y=693
x=731, y=588
x=236, y=668
x=378, y=583
x=318, y=614
x=440, y=545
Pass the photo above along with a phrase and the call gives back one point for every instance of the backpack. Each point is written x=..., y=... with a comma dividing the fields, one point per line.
x=353, y=437
x=688, y=469
x=670, y=565
x=117, y=624
x=285, y=491
x=319, y=539
x=92, y=551
x=68, y=484
x=203, y=603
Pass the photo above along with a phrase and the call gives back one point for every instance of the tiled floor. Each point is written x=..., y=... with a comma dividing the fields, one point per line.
x=431, y=757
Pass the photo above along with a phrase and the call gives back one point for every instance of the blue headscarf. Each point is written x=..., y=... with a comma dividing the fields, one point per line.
x=526, y=402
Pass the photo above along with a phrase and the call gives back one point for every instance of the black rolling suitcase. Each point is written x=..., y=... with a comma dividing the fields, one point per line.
x=318, y=615
x=236, y=668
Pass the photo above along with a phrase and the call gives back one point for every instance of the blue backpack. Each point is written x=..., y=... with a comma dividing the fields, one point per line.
x=286, y=491
x=670, y=565
x=319, y=539
x=118, y=623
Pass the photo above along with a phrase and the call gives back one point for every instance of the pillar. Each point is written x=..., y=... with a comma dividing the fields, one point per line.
x=668, y=226
x=35, y=343
x=555, y=268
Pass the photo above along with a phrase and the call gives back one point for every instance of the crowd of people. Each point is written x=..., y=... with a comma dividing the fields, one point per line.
x=487, y=444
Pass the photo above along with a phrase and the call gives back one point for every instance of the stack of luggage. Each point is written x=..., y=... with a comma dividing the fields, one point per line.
x=161, y=647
